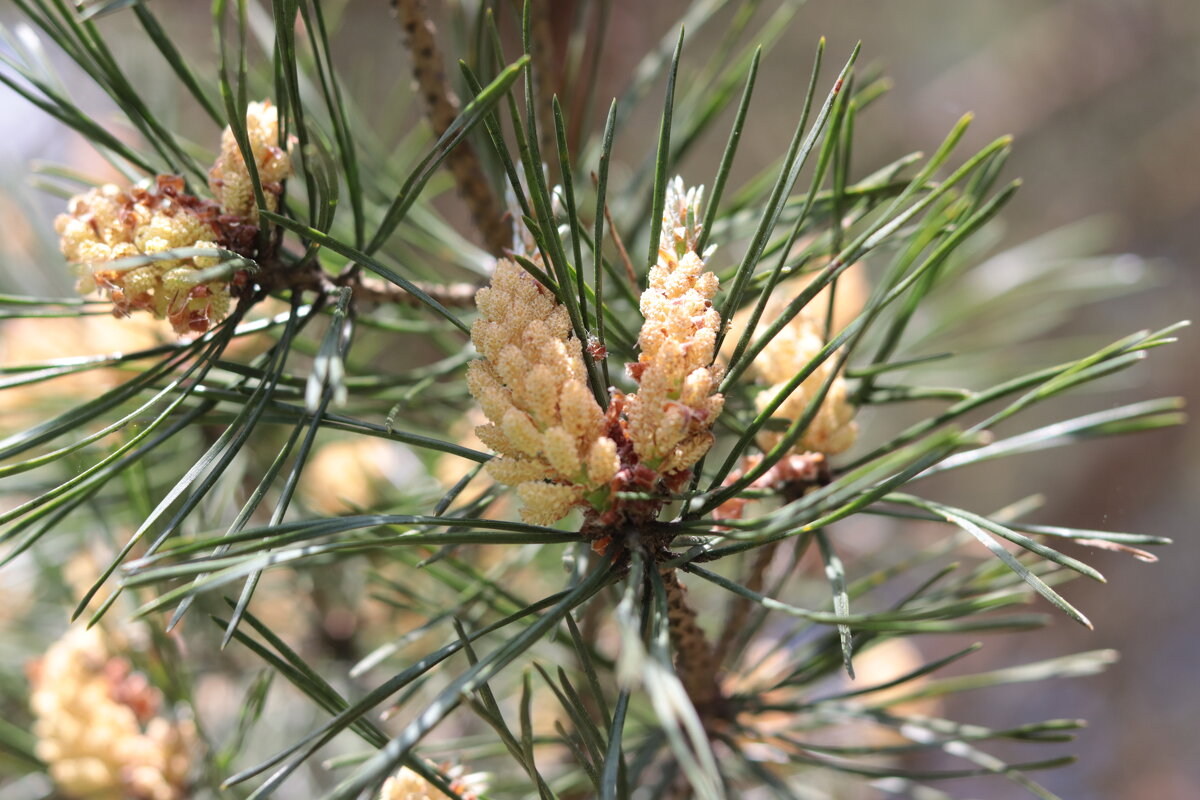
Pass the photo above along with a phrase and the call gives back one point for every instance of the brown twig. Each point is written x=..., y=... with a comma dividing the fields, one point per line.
x=694, y=660
x=696, y=665
x=381, y=292
x=275, y=276
x=587, y=82
x=793, y=477
x=739, y=608
x=541, y=45
x=443, y=107
x=616, y=237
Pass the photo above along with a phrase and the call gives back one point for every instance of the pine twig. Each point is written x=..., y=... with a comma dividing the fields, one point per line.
x=541, y=42
x=621, y=251
x=380, y=292
x=276, y=277
x=792, y=478
x=693, y=654
x=739, y=607
x=442, y=107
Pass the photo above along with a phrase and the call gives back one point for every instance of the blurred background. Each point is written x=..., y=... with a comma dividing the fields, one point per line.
x=1103, y=98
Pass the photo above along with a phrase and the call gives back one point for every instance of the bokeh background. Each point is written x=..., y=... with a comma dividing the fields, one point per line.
x=1103, y=97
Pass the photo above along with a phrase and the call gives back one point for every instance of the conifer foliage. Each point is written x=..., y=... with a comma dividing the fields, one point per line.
x=409, y=500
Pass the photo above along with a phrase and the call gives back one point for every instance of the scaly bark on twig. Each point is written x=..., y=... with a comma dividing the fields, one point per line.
x=694, y=660
x=541, y=46
x=276, y=277
x=442, y=106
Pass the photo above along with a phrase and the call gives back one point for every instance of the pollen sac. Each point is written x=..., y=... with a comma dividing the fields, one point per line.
x=544, y=423
x=98, y=725
x=108, y=224
x=229, y=178
x=833, y=429
x=406, y=784
x=671, y=415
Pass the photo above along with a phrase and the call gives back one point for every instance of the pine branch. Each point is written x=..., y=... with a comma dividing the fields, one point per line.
x=544, y=53
x=442, y=107
x=212, y=450
x=694, y=657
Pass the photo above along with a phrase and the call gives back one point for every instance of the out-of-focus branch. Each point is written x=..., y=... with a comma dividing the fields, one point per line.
x=541, y=45
x=365, y=289
x=442, y=107
x=739, y=607
x=381, y=292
